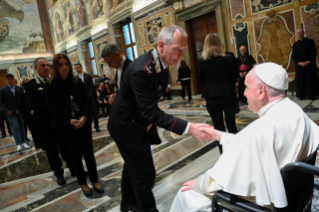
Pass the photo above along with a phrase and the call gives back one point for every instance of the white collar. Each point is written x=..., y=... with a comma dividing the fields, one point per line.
x=264, y=109
x=164, y=66
x=42, y=79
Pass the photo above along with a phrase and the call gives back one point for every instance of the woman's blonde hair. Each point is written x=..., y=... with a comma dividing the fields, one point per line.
x=213, y=47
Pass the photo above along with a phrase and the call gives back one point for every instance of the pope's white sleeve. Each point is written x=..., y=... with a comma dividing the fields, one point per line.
x=226, y=139
x=206, y=185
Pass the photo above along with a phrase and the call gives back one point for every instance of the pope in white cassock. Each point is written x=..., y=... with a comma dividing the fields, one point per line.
x=251, y=160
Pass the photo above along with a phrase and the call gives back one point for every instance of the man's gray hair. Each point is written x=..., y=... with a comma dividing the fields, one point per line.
x=167, y=33
x=110, y=49
x=35, y=62
x=273, y=92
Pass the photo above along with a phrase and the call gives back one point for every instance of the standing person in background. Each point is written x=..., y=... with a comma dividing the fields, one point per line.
x=35, y=90
x=245, y=63
x=304, y=55
x=9, y=97
x=70, y=105
x=112, y=55
x=27, y=113
x=219, y=84
x=184, y=76
x=108, y=91
x=99, y=98
x=89, y=86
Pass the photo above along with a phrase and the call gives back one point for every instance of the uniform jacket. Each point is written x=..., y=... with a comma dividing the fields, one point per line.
x=58, y=95
x=9, y=102
x=136, y=104
x=127, y=62
x=35, y=93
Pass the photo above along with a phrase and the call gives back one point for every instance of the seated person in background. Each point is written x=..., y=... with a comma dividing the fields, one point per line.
x=99, y=98
x=251, y=162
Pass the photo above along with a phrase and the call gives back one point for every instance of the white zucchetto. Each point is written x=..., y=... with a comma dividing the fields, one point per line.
x=273, y=75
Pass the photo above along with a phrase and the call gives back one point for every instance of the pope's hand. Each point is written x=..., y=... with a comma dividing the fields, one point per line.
x=214, y=134
x=197, y=134
x=189, y=185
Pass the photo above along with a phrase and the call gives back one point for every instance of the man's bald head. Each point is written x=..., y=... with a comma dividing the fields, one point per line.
x=300, y=34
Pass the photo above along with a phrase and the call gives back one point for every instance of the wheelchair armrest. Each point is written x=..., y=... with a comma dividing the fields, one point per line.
x=304, y=167
x=238, y=202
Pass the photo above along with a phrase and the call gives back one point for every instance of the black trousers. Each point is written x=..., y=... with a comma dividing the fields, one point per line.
x=138, y=176
x=53, y=147
x=216, y=106
x=79, y=143
x=241, y=90
x=186, y=84
x=104, y=108
x=29, y=123
x=3, y=119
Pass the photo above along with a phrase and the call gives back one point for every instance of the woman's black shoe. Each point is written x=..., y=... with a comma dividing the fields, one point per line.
x=86, y=193
x=98, y=190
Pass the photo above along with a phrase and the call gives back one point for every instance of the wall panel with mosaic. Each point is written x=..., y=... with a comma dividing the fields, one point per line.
x=101, y=66
x=147, y=30
x=22, y=71
x=74, y=57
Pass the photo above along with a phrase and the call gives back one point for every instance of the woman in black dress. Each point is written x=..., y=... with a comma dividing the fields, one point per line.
x=184, y=76
x=99, y=98
x=70, y=106
x=218, y=75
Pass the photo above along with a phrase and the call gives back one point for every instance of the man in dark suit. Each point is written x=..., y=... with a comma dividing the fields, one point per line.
x=135, y=116
x=9, y=101
x=3, y=119
x=89, y=86
x=112, y=55
x=42, y=118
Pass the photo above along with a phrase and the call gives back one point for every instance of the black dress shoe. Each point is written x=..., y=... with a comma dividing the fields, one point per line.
x=27, y=139
x=61, y=180
x=98, y=190
x=3, y=136
x=86, y=193
x=97, y=129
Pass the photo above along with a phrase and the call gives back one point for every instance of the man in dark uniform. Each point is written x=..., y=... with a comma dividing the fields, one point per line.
x=245, y=63
x=304, y=55
x=35, y=92
x=112, y=55
x=89, y=86
x=135, y=116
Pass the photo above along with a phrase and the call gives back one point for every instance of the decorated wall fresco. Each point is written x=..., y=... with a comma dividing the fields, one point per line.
x=241, y=37
x=274, y=38
x=20, y=27
x=237, y=9
x=68, y=17
x=262, y=5
x=22, y=71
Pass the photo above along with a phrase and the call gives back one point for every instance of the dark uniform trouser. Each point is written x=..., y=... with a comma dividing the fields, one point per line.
x=29, y=123
x=186, y=83
x=52, y=145
x=138, y=177
x=79, y=142
x=216, y=106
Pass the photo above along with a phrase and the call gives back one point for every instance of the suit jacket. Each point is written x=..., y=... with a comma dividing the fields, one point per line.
x=127, y=62
x=25, y=107
x=9, y=102
x=58, y=97
x=88, y=83
x=135, y=107
x=218, y=76
x=35, y=93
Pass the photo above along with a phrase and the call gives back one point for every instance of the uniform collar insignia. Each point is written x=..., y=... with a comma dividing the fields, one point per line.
x=40, y=89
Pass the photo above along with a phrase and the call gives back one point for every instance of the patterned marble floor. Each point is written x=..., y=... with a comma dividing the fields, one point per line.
x=27, y=184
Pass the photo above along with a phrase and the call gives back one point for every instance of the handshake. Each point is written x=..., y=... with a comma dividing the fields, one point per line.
x=202, y=132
